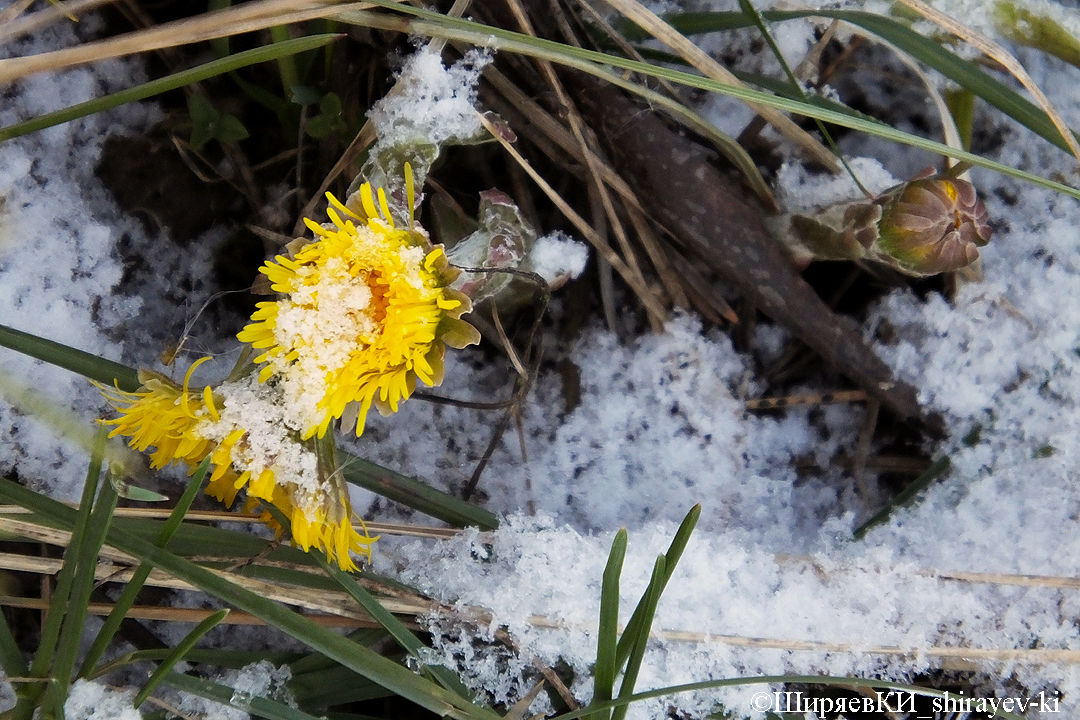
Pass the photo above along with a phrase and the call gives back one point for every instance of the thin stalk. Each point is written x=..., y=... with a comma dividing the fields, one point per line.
x=178, y=653
x=67, y=650
x=135, y=585
x=279, y=51
x=607, y=635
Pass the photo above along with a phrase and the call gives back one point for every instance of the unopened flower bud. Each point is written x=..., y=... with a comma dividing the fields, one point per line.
x=931, y=225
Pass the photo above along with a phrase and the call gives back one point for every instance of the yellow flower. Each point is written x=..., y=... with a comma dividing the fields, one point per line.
x=162, y=415
x=327, y=526
x=265, y=456
x=368, y=311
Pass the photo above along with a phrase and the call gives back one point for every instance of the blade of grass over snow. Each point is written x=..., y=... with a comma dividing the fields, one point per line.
x=415, y=494
x=763, y=27
x=403, y=635
x=905, y=497
x=358, y=658
x=607, y=635
x=963, y=72
x=382, y=481
x=258, y=706
x=274, y=51
x=674, y=552
x=823, y=680
x=641, y=636
x=596, y=64
x=77, y=361
x=67, y=650
x=134, y=586
x=178, y=653
x=50, y=633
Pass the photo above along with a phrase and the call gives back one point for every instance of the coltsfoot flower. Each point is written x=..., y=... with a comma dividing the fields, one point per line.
x=932, y=224
x=368, y=311
x=162, y=415
x=241, y=427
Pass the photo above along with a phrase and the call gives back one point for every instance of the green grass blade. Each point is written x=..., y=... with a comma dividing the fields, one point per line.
x=415, y=494
x=607, y=635
x=134, y=586
x=260, y=707
x=51, y=632
x=360, y=659
x=674, y=552
x=178, y=653
x=335, y=686
x=382, y=481
x=234, y=659
x=932, y=473
x=403, y=635
x=77, y=361
x=11, y=657
x=641, y=636
x=763, y=27
x=67, y=650
x=963, y=72
x=274, y=51
x=597, y=64
x=315, y=662
x=825, y=680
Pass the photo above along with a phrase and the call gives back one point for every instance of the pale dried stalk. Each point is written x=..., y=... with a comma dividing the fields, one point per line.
x=327, y=601
x=191, y=615
x=655, y=26
x=643, y=292
x=251, y=518
x=583, y=149
x=1003, y=56
x=1037, y=655
x=248, y=17
x=12, y=26
x=840, y=396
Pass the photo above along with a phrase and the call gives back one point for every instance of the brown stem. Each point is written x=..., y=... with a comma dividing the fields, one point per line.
x=702, y=210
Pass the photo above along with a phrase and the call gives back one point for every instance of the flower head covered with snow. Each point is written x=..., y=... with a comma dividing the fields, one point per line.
x=162, y=415
x=239, y=425
x=368, y=311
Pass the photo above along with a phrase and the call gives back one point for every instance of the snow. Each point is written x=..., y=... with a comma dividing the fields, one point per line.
x=434, y=105
x=94, y=701
x=652, y=427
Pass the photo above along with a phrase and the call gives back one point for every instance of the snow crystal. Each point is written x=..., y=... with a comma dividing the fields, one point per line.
x=258, y=680
x=58, y=263
x=430, y=104
x=92, y=701
x=556, y=257
x=800, y=191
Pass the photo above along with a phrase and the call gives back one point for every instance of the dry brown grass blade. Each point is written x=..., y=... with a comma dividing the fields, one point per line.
x=226, y=516
x=653, y=248
x=193, y=615
x=584, y=149
x=363, y=139
x=642, y=291
x=325, y=601
x=248, y=17
x=1028, y=655
x=1001, y=55
x=655, y=26
x=840, y=396
x=11, y=25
